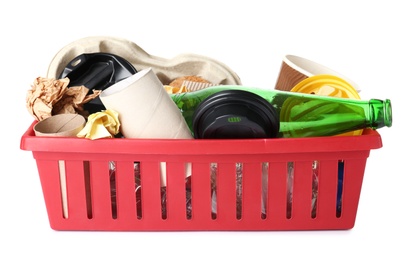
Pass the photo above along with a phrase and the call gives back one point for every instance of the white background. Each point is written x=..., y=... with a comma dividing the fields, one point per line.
x=368, y=41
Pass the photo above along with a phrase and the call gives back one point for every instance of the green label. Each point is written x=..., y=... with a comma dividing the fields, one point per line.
x=234, y=119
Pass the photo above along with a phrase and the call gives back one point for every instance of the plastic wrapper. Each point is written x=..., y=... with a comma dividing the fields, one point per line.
x=290, y=188
x=104, y=124
x=213, y=176
x=112, y=175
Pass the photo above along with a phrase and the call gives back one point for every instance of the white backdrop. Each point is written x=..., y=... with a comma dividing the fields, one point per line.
x=368, y=41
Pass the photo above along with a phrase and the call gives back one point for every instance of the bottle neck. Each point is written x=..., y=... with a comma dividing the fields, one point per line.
x=381, y=113
x=310, y=115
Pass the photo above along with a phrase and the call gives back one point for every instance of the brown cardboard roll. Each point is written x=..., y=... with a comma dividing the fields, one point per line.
x=64, y=125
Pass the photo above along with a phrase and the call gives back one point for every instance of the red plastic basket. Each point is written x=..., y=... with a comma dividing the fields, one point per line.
x=310, y=183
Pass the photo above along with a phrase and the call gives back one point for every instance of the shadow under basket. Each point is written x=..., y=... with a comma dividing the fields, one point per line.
x=235, y=185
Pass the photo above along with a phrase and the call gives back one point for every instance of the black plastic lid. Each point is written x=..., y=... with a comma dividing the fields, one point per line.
x=96, y=71
x=235, y=114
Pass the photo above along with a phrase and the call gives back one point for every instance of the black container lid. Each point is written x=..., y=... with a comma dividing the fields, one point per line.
x=96, y=71
x=235, y=114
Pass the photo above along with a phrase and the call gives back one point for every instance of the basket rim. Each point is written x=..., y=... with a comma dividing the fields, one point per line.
x=370, y=139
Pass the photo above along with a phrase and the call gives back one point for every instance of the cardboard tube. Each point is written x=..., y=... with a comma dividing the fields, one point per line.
x=145, y=108
x=64, y=125
x=146, y=111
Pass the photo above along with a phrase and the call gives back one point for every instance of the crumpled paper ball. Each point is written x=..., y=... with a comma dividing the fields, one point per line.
x=104, y=124
x=49, y=96
x=73, y=99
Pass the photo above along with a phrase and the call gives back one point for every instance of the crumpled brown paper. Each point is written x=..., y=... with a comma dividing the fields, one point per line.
x=73, y=99
x=49, y=96
x=104, y=124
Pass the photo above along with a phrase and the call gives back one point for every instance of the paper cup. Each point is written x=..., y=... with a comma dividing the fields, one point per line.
x=294, y=69
x=64, y=125
x=146, y=110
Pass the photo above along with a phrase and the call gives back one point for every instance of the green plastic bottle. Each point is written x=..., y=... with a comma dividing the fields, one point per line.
x=302, y=115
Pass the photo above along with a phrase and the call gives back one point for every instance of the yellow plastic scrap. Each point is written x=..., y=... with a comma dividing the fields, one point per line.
x=104, y=124
x=175, y=90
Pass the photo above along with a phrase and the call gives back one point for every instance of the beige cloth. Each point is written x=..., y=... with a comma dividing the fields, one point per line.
x=166, y=69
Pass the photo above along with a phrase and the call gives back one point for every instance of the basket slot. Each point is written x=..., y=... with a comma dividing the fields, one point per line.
x=76, y=190
x=100, y=191
x=276, y=206
x=175, y=192
x=126, y=201
x=302, y=191
x=226, y=192
x=252, y=191
x=201, y=191
x=151, y=195
x=327, y=190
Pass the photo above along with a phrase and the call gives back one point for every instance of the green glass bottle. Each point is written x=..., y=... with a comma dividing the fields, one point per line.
x=302, y=115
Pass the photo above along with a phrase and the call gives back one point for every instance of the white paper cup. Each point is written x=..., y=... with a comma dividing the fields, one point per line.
x=294, y=69
x=146, y=110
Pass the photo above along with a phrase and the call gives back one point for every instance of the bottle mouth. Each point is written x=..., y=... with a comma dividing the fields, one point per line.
x=387, y=113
